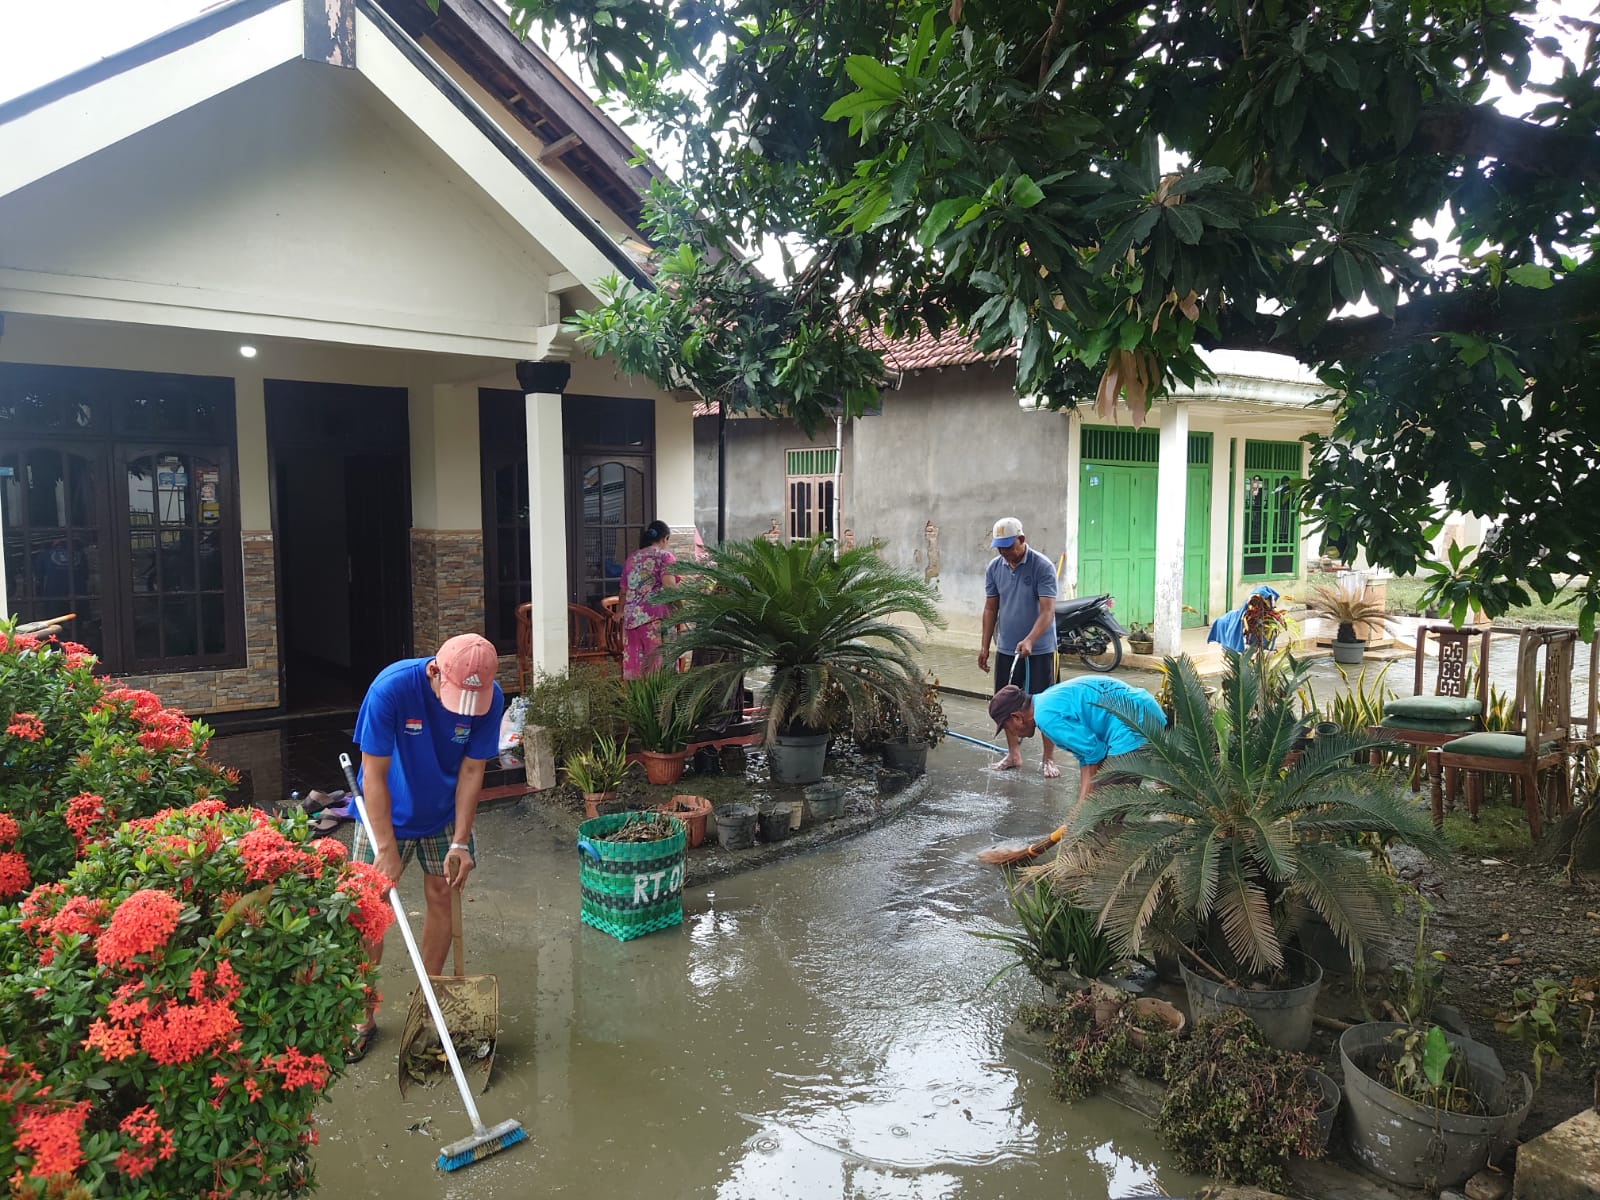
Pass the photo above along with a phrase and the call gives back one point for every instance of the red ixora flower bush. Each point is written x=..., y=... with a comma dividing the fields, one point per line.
x=79, y=755
x=172, y=1009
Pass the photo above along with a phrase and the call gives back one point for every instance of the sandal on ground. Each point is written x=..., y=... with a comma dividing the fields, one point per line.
x=360, y=1042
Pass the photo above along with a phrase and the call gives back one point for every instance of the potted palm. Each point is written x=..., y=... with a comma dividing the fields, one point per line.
x=1347, y=609
x=818, y=625
x=598, y=772
x=1221, y=861
x=662, y=721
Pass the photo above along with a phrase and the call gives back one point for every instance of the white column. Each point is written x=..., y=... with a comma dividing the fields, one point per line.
x=1070, y=514
x=542, y=385
x=1220, y=566
x=1172, y=477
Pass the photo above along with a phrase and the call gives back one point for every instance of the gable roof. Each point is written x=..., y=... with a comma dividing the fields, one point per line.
x=537, y=92
x=70, y=118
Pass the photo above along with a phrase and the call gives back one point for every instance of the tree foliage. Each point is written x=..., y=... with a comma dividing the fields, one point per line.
x=1112, y=185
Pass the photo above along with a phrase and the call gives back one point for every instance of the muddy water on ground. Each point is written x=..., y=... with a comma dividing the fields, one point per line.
x=817, y=1029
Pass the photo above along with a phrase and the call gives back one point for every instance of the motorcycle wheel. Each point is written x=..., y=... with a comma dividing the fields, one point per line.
x=1096, y=634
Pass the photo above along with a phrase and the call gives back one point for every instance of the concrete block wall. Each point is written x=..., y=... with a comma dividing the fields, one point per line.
x=446, y=586
x=256, y=684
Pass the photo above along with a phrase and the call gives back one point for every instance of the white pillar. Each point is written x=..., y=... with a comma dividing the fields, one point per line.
x=1219, y=594
x=1172, y=478
x=542, y=385
x=1072, y=500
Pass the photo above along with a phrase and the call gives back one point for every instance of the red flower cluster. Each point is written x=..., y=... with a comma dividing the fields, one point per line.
x=14, y=875
x=180, y=1033
x=153, y=1141
x=168, y=1030
x=80, y=914
x=17, y=643
x=369, y=888
x=145, y=704
x=141, y=925
x=51, y=1137
x=267, y=854
x=8, y=829
x=331, y=850
x=26, y=726
x=299, y=1070
x=88, y=817
x=169, y=730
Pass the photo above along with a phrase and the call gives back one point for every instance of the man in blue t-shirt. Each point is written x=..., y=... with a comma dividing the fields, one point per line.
x=1082, y=715
x=1019, y=613
x=427, y=728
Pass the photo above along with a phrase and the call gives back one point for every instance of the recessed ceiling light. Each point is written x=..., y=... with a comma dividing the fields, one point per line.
x=248, y=351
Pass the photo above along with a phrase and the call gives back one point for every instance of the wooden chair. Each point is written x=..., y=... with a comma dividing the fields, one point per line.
x=524, y=647
x=1422, y=720
x=591, y=636
x=1541, y=746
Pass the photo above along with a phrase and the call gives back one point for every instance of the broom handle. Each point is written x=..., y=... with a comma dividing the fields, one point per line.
x=416, y=962
x=457, y=950
x=1045, y=843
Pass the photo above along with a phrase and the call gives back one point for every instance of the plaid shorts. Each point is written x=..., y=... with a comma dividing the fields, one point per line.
x=429, y=851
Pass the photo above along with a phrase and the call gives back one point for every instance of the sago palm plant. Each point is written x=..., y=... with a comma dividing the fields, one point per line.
x=820, y=624
x=1238, y=839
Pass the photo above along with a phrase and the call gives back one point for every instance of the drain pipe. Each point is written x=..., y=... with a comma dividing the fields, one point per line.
x=722, y=471
x=838, y=477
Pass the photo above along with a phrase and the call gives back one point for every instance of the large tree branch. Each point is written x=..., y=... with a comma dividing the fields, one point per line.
x=1574, y=300
x=1476, y=133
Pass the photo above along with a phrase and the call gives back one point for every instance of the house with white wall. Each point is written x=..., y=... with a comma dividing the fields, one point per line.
x=1179, y=520
x=285, y=392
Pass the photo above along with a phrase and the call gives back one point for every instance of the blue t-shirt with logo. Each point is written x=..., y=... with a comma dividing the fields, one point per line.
x=402, y=720
x=1019, y=590
x=1080, y=715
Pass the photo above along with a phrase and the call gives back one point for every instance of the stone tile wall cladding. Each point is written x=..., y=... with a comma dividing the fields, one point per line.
x=446, y=586
x=256, y=684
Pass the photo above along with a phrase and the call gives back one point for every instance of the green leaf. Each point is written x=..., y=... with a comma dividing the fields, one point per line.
x=874, y=77
x=854, y=105
x=1347, y=274
x=939, y=218
x=1435, y=1056
x=1531, y=275
x=1186, y=225
x=1025, y=193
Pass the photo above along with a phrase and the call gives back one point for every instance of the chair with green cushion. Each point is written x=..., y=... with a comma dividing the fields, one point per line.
x=1544, y=697
x=1422, y=721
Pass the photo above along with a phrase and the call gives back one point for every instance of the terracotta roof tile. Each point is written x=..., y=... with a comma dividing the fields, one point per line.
x=952, y=348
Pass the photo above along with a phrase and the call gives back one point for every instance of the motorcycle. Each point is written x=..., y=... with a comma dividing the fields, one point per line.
x=1085, y=627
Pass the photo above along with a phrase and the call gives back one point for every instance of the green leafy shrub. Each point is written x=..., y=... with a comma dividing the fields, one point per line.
x=820, y=623
x=1237, y=1108
x=1094, y=1035
x=172, y=1009
x=79, y=755
x=661, y=716
x=576, y=706
x=1056, y=934
x=599, y=769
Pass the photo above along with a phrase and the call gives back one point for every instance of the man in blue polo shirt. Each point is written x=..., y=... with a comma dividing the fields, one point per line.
x=1019, y=613
x=427, y=728
x=1082, y=715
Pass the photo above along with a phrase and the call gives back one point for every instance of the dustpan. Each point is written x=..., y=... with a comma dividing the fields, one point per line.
x=470, y=1005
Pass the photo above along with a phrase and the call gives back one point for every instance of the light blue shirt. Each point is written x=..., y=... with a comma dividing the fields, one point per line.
x=1079, y=714
x=1020, y=591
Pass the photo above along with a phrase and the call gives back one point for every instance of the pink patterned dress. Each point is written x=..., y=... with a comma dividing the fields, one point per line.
x=642, y=577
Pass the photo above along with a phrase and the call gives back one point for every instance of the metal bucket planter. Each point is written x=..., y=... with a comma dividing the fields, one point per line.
x=1283, y=1016
x=629, y=889
x=736, y=826
x=825, y=801
x=1415, y=1145
x=910, y=757
x=798, y=758
x=1327, y=1106
x=891, y=780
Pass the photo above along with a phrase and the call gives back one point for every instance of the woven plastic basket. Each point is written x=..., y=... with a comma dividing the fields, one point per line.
x=629, y=889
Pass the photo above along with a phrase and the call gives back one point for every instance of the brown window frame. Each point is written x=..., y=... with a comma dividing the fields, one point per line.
x=109, y=439
x=819, y=511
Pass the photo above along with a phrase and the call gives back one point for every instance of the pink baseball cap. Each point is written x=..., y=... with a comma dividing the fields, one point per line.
x=467, y=666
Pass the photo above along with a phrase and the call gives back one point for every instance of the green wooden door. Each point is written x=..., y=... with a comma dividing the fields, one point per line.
x=1197, y=532
x=1117, y=537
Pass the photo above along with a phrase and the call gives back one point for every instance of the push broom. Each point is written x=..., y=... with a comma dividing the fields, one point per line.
x=484, y=1140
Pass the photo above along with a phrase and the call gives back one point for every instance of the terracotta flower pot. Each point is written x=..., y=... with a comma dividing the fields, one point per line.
x=592, y=802
x=1146, y=1006
x=663, y=768
x=693, y=811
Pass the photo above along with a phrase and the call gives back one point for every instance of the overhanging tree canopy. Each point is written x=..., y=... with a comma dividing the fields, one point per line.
x=1111, y=186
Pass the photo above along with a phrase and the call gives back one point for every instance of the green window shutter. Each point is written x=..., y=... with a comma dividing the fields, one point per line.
x=1271, y=542
x=1119, y=447
x=812, y=462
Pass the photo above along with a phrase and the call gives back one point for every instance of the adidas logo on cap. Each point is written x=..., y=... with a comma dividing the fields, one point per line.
x=472, y=681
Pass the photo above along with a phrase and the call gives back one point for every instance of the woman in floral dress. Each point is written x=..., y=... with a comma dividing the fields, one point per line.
x=644, y=576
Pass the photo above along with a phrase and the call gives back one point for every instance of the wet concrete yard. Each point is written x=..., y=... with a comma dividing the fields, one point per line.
x=818, y=1028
